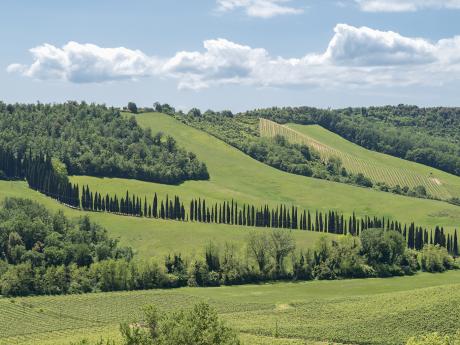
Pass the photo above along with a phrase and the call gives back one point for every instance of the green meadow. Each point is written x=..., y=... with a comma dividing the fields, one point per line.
x=369, y=311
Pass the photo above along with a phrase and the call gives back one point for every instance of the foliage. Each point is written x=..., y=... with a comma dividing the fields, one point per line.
x=96, y=140
x=40, y=250
x=29, y=233
x=435, y=339
x=425, y=135
x=198, y=326
x=132, y=107
x=48, y=254
x=384, y=251
x=436, y=259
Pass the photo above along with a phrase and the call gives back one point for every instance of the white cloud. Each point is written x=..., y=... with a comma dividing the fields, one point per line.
x=81, y=63
x=259, y=8
x=406, y=5
x=355, y=57
x=365, y=46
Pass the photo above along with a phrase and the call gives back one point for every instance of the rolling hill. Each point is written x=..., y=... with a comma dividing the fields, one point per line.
x=377, y=166
x=236, y=175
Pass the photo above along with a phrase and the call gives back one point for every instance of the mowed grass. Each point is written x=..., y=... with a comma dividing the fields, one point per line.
x=155, y=237
x=383, y=167
x=238, y=176
x=368, y=311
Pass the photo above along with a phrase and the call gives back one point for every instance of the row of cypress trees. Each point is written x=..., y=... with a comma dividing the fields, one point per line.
x=132, y=205
x=41, y=176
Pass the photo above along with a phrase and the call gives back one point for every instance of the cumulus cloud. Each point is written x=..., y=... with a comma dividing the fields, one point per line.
x=259, y=8
x=360, y=57
x=365, y=46
x=406, y=5
x=81, y=63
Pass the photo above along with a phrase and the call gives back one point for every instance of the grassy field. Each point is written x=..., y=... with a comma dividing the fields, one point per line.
x=370, y=311
x=154, y=237
x=236, y=175
x=377, y=166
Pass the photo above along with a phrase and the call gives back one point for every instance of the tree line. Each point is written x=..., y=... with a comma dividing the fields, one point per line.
x=44, y=177
x=266, y=256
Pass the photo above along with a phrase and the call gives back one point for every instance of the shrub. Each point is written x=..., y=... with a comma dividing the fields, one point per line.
x=198, y=326
x=436, y=259
x=435, y=339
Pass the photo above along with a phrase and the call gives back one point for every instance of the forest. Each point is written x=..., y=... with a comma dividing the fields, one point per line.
x=96, y=140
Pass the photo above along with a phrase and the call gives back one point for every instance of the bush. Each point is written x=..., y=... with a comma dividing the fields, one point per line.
x=198, y=326
x=435, y=339
x=436, y=259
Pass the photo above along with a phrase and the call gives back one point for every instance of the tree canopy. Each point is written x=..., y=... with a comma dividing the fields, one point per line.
x=96, y=140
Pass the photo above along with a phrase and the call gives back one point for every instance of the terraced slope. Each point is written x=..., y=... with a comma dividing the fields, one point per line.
x=356, y=159
x=369, y=311
x=236, y=175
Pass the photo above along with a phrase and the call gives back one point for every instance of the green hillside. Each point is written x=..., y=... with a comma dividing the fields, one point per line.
x=153, y=237
x=235, y=175
x=341, y=311
x=377, y=166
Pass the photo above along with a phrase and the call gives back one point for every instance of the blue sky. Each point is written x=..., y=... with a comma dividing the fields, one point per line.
x=232, y=54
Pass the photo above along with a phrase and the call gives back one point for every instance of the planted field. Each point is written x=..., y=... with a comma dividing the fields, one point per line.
x=371, y=311
x=376, y=166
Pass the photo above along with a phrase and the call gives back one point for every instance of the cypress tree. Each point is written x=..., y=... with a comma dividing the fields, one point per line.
x=162, y=210
x=192, y=210
x=455, y=244
x=155, y=206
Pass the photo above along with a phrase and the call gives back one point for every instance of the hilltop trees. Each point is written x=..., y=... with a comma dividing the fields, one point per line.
x=132, y=107
x=95, y=140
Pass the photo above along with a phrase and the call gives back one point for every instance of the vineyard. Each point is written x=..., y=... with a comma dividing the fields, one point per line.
x=339, y=311
x=392, y=176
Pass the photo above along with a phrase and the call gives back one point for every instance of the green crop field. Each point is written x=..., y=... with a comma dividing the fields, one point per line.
x=236, y=175
x=370, y=311
x=377, y=166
